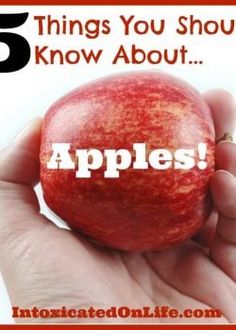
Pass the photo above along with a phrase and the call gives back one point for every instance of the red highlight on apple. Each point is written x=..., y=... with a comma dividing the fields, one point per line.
x=121, y=159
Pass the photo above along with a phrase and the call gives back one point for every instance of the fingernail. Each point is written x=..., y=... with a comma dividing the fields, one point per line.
x=227, y=137
x=231, y=143
x=226, y=173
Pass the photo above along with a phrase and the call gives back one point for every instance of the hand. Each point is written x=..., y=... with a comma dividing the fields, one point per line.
x=48, y=267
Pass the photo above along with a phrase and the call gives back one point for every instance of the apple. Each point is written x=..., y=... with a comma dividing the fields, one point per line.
x=143, y=209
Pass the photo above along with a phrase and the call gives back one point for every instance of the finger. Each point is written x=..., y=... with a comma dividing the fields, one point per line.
x=222, y=107
x=19, y=161
x=223, y=188
x=226, y=157
x=19, y=170
x=187, y=269
x=27, y=239
x=20, y=223
x=205, y=236
x=223, y=249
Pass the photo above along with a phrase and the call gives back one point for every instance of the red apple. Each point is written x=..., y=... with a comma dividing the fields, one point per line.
x=142, y=209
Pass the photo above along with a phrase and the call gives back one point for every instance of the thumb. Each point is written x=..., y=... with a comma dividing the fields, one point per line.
x=19, y=171
x=20, y=223
x=19, y=161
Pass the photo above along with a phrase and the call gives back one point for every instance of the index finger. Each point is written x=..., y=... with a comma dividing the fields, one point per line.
x=222, y=106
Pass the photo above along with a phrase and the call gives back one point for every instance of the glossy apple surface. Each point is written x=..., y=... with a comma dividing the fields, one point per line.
x=143, y=209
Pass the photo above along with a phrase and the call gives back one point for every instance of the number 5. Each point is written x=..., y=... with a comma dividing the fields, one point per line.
x=19, y=47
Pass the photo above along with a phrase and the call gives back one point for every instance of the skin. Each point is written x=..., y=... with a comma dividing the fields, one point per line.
x=45, y=266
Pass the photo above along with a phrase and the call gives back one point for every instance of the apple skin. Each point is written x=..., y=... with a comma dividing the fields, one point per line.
x=143, y=209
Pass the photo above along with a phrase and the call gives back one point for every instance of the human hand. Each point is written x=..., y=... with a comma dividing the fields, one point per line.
x=49, y=267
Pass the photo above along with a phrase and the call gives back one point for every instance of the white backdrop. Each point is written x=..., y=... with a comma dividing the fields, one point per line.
x=30, y=91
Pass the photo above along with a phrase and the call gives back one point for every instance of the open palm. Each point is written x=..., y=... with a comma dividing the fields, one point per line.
x=49, y=267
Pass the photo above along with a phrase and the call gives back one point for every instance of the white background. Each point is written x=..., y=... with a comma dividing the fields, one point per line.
x=30, y=91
